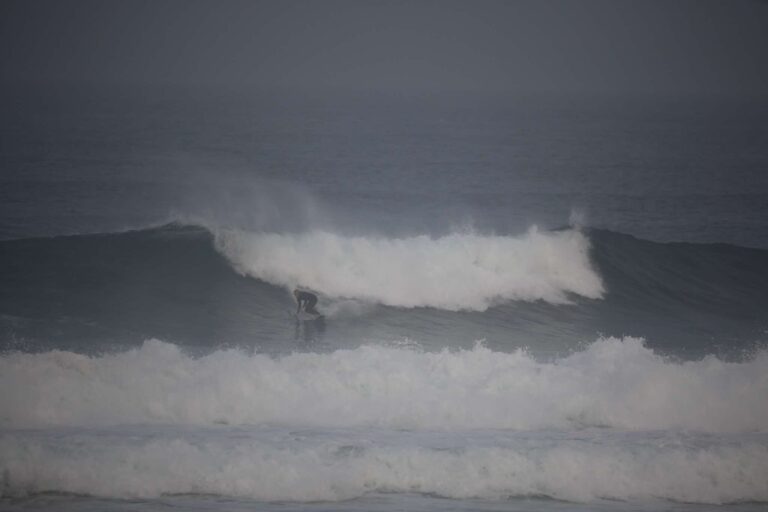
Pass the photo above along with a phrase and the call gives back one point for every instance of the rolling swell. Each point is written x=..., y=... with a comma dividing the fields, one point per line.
x=121, y=288
x=91, y=292
x=699, y=297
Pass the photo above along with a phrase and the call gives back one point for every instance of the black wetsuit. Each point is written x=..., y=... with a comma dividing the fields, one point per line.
x=306, y=301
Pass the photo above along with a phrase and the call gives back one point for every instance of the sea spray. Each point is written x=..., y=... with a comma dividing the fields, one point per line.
x=460, y=271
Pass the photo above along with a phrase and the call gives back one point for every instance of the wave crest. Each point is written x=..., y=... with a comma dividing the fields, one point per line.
x=460, y=271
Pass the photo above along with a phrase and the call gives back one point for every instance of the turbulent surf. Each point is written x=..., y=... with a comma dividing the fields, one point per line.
x=467, y=366
x=473, y=354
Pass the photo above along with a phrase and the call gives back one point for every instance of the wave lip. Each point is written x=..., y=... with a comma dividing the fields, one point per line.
x=460, y=271
x=612, y=383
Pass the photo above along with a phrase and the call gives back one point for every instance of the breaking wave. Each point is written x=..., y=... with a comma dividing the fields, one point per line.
x=612, y=383
x=460, y=271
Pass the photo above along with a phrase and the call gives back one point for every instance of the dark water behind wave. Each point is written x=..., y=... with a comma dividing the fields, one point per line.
x=665, y=169
x=92, y=293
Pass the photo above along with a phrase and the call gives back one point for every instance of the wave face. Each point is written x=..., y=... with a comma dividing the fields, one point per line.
x=544, y=291
x=454, y=272
x=89, y=293
x=613, y=383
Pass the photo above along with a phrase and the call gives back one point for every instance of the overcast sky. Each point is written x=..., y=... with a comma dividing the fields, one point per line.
x=697, y=46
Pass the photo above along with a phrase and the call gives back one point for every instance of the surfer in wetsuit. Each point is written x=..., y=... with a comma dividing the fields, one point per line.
x=305, y=301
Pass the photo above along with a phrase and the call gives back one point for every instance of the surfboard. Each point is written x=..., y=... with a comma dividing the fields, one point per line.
x=304, y=316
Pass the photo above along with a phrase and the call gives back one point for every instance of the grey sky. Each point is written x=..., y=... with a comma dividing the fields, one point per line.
x=695, y=46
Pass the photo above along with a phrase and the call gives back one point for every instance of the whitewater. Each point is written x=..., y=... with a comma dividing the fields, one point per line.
x=304, y=427
x=411, y=385
x=612, y=383
x=459, y=271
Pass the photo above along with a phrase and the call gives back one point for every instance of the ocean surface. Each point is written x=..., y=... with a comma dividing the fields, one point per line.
x=529, y=303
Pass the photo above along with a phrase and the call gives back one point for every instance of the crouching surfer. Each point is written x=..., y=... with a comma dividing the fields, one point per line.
x=305, y=301
x=310, y=324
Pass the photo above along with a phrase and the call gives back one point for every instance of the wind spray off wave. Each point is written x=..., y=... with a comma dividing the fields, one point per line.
x=460, y=271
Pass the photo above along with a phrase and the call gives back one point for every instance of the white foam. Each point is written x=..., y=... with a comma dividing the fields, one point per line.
x=461, y=271
x=615, y=383
x=311, y=465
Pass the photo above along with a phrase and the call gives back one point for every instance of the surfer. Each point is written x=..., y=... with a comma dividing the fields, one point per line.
x=305, y=301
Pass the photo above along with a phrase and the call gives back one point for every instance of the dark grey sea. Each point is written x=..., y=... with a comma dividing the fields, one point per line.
x=528, y=303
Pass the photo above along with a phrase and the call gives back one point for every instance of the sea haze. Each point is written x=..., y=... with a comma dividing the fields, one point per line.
x=537, y=231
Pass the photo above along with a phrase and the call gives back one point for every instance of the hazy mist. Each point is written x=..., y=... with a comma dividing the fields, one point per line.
x=602, y=46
